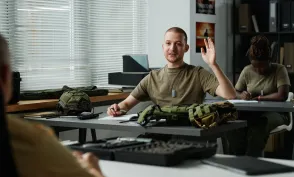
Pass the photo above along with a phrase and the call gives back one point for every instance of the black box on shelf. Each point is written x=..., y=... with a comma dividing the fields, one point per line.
x=126, y=78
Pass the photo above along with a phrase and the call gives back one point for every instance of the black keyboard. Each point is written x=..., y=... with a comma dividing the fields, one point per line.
x=105, y=148
x=161, y=153
x=165, y=153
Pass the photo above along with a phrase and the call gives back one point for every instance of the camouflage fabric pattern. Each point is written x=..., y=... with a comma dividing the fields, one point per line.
x=211, y=115
x=198, y=115
x=74, y=102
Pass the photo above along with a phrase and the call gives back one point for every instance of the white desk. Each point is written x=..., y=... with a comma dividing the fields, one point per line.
x=134, y=127
x=268, y=106
x=189, y=168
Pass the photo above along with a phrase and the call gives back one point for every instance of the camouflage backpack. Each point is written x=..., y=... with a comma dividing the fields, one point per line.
x=198, y=115
x=74, y=102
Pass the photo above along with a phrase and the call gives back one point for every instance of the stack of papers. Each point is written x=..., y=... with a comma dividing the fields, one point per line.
x=120, y=118
x=242, y=101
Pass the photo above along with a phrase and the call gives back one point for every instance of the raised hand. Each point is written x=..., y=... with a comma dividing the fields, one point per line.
x=209, y=55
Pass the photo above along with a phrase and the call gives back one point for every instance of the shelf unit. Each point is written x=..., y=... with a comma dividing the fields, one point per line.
x=241, y=40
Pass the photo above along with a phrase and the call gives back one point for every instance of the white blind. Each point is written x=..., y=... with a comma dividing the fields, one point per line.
x=6, y=19
x=117, y=27
x=72, y=42
x=48, y=49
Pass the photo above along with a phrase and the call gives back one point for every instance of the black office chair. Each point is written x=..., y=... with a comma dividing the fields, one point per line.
x=7, y=164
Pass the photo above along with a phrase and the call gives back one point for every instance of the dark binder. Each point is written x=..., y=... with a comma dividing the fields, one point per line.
x=273, y=8
x=289, y=56
x=292, y=16
x=286, y=16
x=245, y=24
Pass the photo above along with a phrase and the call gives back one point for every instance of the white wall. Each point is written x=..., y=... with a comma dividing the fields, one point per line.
x=221, y=36
x=164, y=14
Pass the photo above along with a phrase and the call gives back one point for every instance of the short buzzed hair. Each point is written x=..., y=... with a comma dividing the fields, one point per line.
x=178, y=30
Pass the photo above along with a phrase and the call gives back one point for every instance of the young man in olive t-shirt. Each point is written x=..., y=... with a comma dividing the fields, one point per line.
x=179, y=83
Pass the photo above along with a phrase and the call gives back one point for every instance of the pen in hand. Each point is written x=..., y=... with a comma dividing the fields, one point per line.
x=245, y=95
x=118, y=113
x=113, y=111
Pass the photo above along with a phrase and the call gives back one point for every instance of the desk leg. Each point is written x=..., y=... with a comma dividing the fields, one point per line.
x=225, y=145
x=293, y=152
x=93, y=133
x=82, y=135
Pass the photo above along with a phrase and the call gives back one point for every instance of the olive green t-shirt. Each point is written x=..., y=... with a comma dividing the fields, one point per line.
x=255, y=83
x=190, y=84
x=37, y=152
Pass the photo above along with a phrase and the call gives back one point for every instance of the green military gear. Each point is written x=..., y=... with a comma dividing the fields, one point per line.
x=74, y=102
x=198, y=115
x=170, y=113
x=56, y=93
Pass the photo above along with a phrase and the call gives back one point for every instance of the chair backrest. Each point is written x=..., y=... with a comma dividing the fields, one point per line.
x=290, y=126
x=291, y=77
x=7, y=164
x=290, y=96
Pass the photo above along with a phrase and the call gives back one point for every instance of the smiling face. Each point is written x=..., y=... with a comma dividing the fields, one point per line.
x=174, y=47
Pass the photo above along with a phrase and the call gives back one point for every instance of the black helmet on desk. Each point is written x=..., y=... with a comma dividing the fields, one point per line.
x=74, y=102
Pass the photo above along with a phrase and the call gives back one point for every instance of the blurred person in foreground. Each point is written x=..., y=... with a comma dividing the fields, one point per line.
x=36, y=150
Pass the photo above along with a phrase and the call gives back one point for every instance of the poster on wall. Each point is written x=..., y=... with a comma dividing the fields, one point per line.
x=204, y=30
x=205, y=7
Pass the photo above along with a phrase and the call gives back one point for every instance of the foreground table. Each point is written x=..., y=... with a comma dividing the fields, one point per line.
x=188, y=168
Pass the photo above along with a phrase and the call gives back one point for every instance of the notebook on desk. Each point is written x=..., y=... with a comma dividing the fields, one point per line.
x=248, y=165
x=119, y=118
x=242, y=101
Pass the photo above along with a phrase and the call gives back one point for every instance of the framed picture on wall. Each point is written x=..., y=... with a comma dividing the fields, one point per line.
x=204, y=30
x=205, y=7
